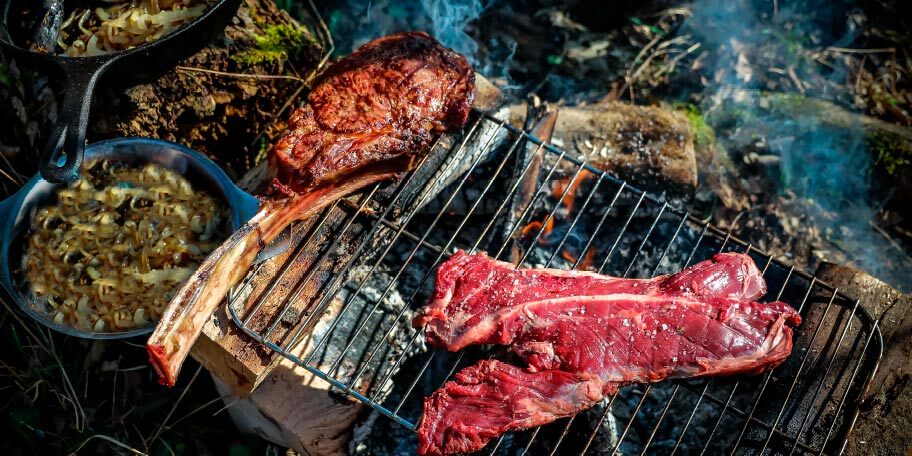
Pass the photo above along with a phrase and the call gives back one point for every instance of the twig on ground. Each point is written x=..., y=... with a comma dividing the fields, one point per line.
x=861, y=51
x=110, y=440
x=164, y=423
x=240, y=75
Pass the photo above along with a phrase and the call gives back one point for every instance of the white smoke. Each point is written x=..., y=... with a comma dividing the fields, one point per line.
x=449, y=21
x=827, y=167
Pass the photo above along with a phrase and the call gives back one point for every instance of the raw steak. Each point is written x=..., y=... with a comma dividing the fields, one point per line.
x=701, y=321
x=471, y=289
x=491, y=397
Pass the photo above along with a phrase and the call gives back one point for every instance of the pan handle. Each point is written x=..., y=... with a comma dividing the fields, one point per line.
x=69, y=131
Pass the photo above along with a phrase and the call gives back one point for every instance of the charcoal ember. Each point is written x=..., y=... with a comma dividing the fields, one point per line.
x=483, y=141
x=371, y=332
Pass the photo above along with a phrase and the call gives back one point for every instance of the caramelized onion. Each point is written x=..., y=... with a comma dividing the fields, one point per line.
x=117, y=244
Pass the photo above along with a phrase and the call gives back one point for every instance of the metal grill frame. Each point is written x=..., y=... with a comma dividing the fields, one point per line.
x=869, y=356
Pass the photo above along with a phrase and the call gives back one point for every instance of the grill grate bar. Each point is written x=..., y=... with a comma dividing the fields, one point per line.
x=549, y=219
x=637, y=242
x=767, y=376
x=741, y=414
x=633, y=416
x=535, y=432
x=655, y=269
x=573, y=224
x=845, y=395
x=337, y=282
x=373, y=269
x=412, y=385
x=313, y=271
x=804, y=359
x=533, y=246
x=440, y=251
x=665, y=409
x=725, y=408
x=500, y=208
x=538, y=193
x=690, y=417
x=620, y=235
x=829, y=367
x=605, y=414
x=298, y=289
x=324, y=214
x=559, y=439
x=385, y=339
x=601, y=269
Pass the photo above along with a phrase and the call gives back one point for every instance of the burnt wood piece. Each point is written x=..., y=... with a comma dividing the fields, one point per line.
x=526, y=173
x=886, y=410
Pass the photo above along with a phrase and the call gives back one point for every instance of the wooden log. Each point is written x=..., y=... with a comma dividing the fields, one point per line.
x=886, y=409
x=293, y=408
x=650, y=147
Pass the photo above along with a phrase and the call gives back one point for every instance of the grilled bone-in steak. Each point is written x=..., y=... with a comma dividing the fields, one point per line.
x=369, y=117
x=701, y=321
x=383, y=102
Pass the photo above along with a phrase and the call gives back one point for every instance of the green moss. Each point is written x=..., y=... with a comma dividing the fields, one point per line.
x=891, y=152
x=277, y=43
x=703, y=133
x=5, y=79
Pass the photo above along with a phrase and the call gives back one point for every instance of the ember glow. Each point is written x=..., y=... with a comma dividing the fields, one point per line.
x=564, y=194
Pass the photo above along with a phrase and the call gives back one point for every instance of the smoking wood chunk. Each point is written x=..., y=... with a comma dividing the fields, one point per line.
x=650, y=147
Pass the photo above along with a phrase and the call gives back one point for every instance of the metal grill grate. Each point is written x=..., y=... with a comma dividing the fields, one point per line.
x=369, y=264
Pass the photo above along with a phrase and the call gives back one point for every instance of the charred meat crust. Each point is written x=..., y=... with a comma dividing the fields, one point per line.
x=388, y=98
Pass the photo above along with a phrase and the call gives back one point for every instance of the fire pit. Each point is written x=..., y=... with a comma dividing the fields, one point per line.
x=576, y=217
x=652, y=163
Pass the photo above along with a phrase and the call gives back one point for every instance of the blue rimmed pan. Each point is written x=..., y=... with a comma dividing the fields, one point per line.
x=16, y=214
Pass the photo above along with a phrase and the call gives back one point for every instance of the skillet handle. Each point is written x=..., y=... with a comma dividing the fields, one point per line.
x=69, y=131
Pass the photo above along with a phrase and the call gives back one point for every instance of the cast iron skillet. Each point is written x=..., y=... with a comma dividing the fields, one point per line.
x=16, y=214
x=81, y=74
